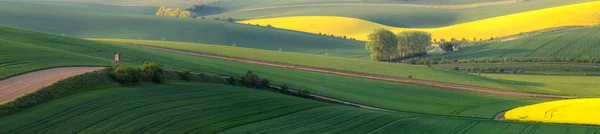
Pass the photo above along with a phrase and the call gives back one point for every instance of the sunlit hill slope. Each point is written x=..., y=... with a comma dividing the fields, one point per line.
x=585, y=14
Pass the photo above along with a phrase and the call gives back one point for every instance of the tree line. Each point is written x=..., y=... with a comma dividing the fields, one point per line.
x=175, y=12
x=384, y=45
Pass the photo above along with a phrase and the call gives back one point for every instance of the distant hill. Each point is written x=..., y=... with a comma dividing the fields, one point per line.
x=398, y=13
x=84, y=23
x=574, y=43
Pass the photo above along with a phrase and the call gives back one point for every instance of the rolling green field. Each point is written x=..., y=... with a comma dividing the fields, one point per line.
x=402, y=97
x=356, y=65
x=398, y=16
x=212, y=108
x=79, y=22
x=557, y=69
x=380, y=11
x=575, y=85
x=573, y=43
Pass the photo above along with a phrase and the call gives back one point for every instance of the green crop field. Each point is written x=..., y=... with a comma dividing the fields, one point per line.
x=80, y=22
x=357, y=65
x=575, y=85
x=399, y=16
x=574, y=43
x=212, y=108
x=380, y=11
x=403, y=97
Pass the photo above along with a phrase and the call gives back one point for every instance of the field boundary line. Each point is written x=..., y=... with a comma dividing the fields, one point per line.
x=458, y=87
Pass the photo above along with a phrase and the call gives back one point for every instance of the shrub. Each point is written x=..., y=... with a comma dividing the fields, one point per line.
x=186, y=75
x=455, y=69
x=265, y=82
x=125, y=75
x=251, y=80
x=151, y=72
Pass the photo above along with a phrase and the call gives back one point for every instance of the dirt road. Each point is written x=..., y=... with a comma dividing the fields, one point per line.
x=443, y=85
x=17, y=86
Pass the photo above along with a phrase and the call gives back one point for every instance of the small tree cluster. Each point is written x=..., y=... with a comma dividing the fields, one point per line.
x=384, y=45
x=152, y=72
x=253, y=81
x=149, y=72
x=125, y=75
x=175, y=12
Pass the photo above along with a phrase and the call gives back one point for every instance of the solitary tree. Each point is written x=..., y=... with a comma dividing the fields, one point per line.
x=382, y=44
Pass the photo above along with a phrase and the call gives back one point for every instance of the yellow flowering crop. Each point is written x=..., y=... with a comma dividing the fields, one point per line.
x=584, y=14
x=576, y=111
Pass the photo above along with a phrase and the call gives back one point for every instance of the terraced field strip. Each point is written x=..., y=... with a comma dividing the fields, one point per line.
x=17, y=86
x=463, y=6
x=361, y=75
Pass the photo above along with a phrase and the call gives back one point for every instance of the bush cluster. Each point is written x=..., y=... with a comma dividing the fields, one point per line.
x=175, y=12
x=152, y=72
x=149, y=72
x=186, y=75
x=253, y=81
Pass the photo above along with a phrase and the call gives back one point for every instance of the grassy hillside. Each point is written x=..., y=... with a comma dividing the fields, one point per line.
x=576, y=85
x=585, y=14
x=78, y=22
x=399, y=13
x=210, y=108
x=575, y=43
x=357, y=65
x=403, y=97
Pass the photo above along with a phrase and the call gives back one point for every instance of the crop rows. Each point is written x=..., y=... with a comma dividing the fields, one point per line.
x=211, y=108
x=395, y=96
x=579, y=44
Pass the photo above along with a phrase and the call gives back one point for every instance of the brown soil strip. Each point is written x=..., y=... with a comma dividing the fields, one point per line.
x=444, y=85
x=14, y=87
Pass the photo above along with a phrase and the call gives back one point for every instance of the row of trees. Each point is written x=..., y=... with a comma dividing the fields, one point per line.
x=384, y=45
x=175, y=12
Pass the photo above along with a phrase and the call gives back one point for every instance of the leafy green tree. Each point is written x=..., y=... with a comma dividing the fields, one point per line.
x=152, y=72
x=252, y=80
x=125, y=75
x=382, y=44
x=411, y=43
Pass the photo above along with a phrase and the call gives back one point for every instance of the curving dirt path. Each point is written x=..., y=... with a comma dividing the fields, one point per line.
x=443, y=85
x=20, y=85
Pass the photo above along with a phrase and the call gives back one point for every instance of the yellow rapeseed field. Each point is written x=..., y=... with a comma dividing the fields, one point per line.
x=575, y=111
x=584, y=14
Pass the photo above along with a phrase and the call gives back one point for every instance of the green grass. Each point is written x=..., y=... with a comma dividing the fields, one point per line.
x=388, y=95
x=356, y=65
x=574, y=43
x=562, y=69
x=212, y=108
x=575, y=85
x=87, y=22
